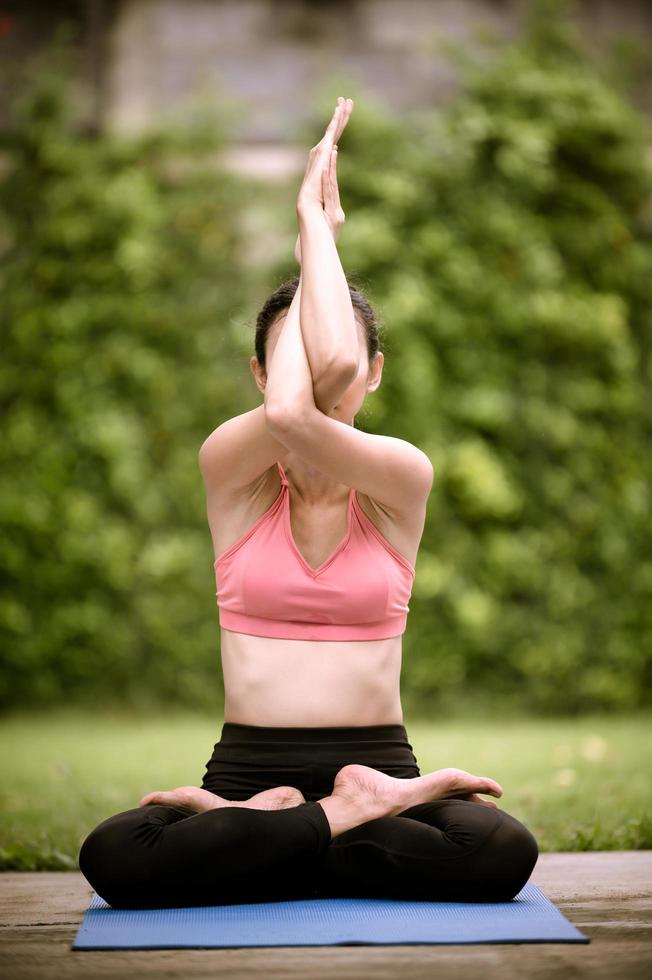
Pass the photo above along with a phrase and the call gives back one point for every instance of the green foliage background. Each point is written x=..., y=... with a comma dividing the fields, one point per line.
x=123, y=278
x=506, y=244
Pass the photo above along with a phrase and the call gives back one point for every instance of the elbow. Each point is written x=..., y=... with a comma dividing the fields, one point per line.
x=344, y=367
x=281, y=418
x=337, y=376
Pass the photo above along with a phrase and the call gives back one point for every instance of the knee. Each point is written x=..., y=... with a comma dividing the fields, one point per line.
x=508, y=858
x=105, y=857
x=100, y=856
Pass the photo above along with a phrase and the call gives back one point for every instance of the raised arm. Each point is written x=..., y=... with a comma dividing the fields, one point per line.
x=289, y=385
x=237, y=453
x=395, y=474
x=327, y=320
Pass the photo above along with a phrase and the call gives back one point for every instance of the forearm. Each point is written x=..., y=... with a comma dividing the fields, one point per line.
x=327, y=319
x=289, y=385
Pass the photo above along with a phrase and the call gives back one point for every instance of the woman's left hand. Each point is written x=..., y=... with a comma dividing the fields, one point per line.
x=333, y=212
x=330, y=194
x=311, y=192
x=188, y=797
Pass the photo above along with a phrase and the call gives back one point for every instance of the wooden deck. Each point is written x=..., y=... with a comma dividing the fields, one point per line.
x=606, y=894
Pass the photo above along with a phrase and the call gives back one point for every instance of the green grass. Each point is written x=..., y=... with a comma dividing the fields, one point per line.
x=578, y=784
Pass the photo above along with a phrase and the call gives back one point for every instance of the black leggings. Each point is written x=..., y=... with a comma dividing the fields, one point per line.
x=160, y=856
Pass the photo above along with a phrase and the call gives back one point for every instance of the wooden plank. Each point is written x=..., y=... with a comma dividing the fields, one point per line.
x=606, y=894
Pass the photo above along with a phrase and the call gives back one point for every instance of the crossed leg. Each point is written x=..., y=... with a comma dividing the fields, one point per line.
x=160, y=856
x=444, y=850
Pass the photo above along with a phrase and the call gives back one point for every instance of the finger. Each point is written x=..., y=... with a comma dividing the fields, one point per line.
x=466, y=782
x=162, y=796
x=344, y=118
x=474, y=798
x=339, y=120
x=325, y=145
x=326, y=190
x=493, y=787
x=484, y=788
x=329, y=176
x=150, y=798
x=483, y=784
x=315, y=163
x=332, y=176
x=334, y=123
x=478, y=799
x=333, y=179
x=326, y=142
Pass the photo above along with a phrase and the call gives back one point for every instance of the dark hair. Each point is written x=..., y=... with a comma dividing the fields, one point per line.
x=281, y=299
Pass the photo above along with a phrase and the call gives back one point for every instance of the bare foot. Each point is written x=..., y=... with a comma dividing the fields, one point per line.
x=381, y=794
x=199, y=800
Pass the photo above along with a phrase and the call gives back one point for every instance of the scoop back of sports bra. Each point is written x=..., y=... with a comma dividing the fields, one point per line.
x=265, y=587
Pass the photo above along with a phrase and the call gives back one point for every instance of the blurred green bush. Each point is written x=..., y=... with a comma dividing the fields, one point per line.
x=123, y=283
x=507, y=246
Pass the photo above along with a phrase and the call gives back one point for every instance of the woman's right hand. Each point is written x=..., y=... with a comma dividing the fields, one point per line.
x=322, y=165
x=458, y=784
x=379, y=794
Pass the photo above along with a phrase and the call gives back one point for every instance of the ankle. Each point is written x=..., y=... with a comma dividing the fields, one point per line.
x=344, y=814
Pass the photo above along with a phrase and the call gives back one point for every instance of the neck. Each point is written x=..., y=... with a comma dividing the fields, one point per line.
x=311, y=485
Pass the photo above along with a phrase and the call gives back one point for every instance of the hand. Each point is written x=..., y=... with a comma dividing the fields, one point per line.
x=319, y=187
x=457, y=783
x=379, y=794
x=473, y=799
x=333, y=212
x=187, y=797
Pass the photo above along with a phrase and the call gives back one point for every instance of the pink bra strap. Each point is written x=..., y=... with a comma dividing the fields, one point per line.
x=284, y=479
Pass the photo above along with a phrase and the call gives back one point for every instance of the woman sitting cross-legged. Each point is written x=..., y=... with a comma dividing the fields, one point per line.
x=313, y=789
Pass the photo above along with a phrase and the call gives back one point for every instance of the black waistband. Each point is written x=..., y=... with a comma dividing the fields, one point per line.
x=233, y=731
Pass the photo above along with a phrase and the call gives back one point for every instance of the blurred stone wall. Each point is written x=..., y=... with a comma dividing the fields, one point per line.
x=269, y=59
x=273, y=57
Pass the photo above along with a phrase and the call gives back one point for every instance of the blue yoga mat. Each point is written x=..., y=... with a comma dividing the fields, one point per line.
x=529, y=918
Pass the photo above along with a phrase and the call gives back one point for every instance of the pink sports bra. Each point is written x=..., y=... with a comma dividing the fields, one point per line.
x=266, y=588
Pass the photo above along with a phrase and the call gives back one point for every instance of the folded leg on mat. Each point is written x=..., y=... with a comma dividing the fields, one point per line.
x=445, y=850
x=161, y=856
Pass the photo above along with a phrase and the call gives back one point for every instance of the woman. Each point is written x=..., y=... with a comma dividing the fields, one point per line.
x=313, y=788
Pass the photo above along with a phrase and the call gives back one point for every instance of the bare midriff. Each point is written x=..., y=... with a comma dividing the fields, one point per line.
x=308, y=683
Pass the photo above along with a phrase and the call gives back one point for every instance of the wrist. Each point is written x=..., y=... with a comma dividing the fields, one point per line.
x=310, y=209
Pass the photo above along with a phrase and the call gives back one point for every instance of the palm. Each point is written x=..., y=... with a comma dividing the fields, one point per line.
x=459, y=779
x=190, y=797
x=323, y=168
